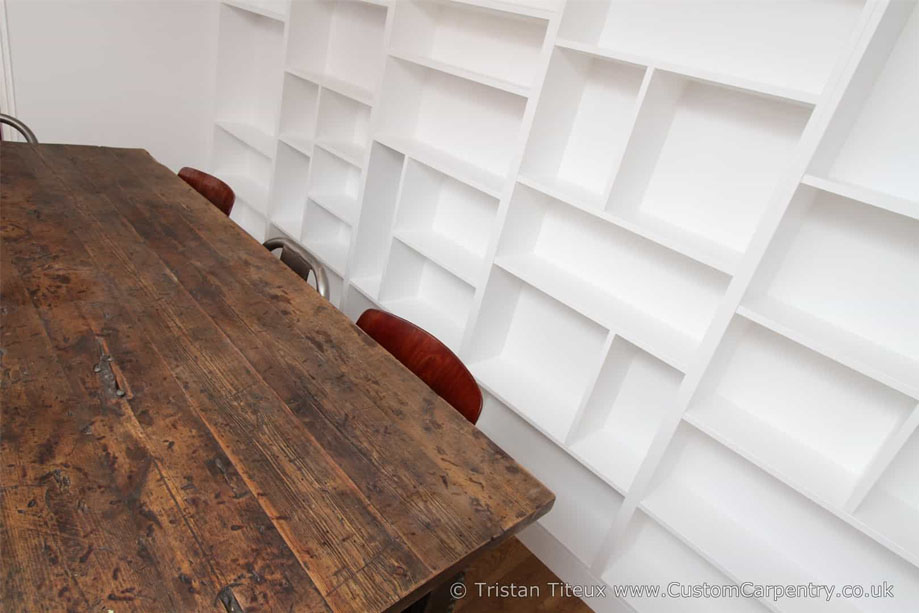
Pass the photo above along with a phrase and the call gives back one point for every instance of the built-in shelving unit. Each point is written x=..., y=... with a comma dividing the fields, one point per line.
x=464, y=124
x=652, y=551
x=623, y=412
x=677, y=243
x=756, y=528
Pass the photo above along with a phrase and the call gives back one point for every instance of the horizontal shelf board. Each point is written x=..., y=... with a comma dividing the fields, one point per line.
x=789, y=460
x=347, y=152
x=572, y=193
x=368, y=286
x=344, y=208
x=515, y=8
x=443, y=252
x=288, y=222
x=301, y=143
x=252, y=136
x=897, y=519
x=333, y=254
x=699, y=249
x=479, y=178
x=610, y=456
x=762, y=435
x=663, y=342
x=890, y=368
x=720, y=540
x=518, y=89
x=488, y=386
x=258, y=9
x=651, y=552
x=248, y=190
x=541, y=401
x=334, y=83
x=428, y=315
x=808, y=98
x=894, y=204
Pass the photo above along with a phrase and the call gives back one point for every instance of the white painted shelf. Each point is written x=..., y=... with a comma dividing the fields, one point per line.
x=536, y=350
x=448, y=221
x=327, y=236
x=248, y=83
x=464, y=40
x=290, y=190
x=299, y=103
x=872, y=140
x=273, y=9
x=703, y=160
x=343, y=126
x=736, y=39
x=416, y=288
x=828, y=249
x=623, y=413
x=892, y=507
x=655, y=298
x=760, y=530
x=675, y=242
x=335, y=185
x=470, y=126
x=338, y=44
x=650, y=552
x=583, y=121
x=244, y=169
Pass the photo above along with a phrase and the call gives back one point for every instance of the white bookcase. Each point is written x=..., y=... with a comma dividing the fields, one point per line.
x=677, y=243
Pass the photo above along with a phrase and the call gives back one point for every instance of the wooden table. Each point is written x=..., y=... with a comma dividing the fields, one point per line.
x=187, y=427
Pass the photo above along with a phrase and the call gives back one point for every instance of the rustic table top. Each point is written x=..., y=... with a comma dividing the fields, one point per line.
x=187, y=427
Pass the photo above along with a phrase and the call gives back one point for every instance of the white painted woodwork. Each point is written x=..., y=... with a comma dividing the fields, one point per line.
x=677, y=243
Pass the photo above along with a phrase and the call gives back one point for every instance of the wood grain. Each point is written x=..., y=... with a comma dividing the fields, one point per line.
x=186, y=427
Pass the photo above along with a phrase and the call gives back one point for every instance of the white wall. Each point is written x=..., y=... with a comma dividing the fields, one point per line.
x=123, y=73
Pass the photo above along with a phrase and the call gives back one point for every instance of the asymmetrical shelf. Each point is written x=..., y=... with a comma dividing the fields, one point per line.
x=299, y=104
x=651, y=551
x=472, y=126
x=754, y=527
x=582, y=125
x=703, y=161
x=463, y=39
x=576, y=523
x=416, y=288
x=290, y=189
x=243, y=168
x=338, y=43
x=827, y=248
x=871, y=142
x=677, y=244
x=624, y=412
x=811, y=421
x=534, y=349
x=249, y=52
x=446, y=220
x=736, y=43
x=654, y=297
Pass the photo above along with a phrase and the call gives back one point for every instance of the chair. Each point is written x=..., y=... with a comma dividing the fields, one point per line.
x=20, y=127
x=301, y=262
x=427, y=357
x=219, y=193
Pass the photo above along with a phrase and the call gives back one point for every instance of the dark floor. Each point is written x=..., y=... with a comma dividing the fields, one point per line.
x=510, y=563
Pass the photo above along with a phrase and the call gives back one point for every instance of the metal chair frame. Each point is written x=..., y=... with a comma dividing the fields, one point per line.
x=20, y=127
x=301, y=262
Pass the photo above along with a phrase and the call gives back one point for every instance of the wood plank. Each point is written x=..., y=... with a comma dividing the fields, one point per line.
x=212, y=502
x=296, y=464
